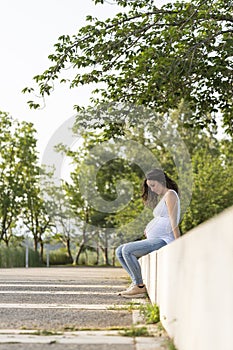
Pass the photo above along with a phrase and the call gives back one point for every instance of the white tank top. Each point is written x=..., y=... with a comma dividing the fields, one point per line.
x=160, y=225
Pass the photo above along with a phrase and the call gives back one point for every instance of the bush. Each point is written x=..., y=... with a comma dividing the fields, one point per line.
x=150, y=313
x=16, y=257
x=57, y=257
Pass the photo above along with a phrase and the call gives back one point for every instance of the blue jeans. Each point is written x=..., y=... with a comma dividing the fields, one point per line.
x=129, y=253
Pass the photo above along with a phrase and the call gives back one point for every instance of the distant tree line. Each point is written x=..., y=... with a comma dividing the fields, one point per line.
x=31, y=204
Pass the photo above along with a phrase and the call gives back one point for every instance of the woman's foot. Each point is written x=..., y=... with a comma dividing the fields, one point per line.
x=130, y=286
x=135, y=292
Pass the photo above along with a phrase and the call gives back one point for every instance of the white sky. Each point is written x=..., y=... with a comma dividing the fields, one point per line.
x=28, y=31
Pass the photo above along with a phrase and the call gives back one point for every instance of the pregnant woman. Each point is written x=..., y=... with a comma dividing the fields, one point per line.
x=160, y=231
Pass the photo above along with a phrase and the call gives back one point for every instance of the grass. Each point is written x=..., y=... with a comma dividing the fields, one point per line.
x=135, y=332
x=15, y=257
x=128, y=306
x=150, y=313
x=46, y=333
x=79, y=329
x=170, y=345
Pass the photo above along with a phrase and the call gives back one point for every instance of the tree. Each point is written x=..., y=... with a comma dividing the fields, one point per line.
x=212, y=165
x=153, y=56
x=81, y=209
x=39, y=208
x=17, y=170
x=9, y=190
x=100, y=187
x=64, y=219
x=37, y=217
x=108, y=155
x=212, y=190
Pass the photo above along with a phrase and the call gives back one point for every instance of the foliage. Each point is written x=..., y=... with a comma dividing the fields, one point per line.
x=36, y=208
x=135, y=332
x=103, y=210
x=213, y=183
x=18, y=170
x=58, y=257
x=153, y=56
x=80, y=222
x=170, y=345
x=21, y=197
x=15, y=257
x=211, y=166
x=150, y=313
x=63, y=218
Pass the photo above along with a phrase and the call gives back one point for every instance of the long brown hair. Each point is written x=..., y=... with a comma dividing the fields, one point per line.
x=150, y=198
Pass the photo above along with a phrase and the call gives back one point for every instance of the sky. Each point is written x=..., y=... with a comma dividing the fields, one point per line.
x=28, y=31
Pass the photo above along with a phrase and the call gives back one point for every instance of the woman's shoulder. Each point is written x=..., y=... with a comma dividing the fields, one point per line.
x=171, y=195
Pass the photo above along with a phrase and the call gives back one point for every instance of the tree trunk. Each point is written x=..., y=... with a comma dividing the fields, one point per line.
x=113, y=257
x=76, y=259
x=86, y=257
x=69, y=251
x=41, y=251
x=97, y=254
x=35, y=243
x=106, y=250
x=106, y=256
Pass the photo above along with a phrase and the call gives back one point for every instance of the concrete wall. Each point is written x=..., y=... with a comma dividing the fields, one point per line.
x=191, y=280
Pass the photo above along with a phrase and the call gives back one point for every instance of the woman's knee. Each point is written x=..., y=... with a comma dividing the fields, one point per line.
x=123, y=250
x=119, y=250
x=126, y=250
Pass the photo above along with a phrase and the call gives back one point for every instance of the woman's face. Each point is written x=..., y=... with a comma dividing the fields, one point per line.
x=155, y=186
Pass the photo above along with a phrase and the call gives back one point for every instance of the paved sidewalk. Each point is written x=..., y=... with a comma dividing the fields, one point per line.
x=49, y=308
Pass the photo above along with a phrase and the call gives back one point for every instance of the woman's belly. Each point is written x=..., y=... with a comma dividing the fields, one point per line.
x=159, y=227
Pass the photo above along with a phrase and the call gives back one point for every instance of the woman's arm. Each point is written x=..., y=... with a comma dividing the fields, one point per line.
x=172, y=206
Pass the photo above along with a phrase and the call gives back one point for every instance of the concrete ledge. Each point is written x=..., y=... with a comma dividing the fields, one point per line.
x=191, y=280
